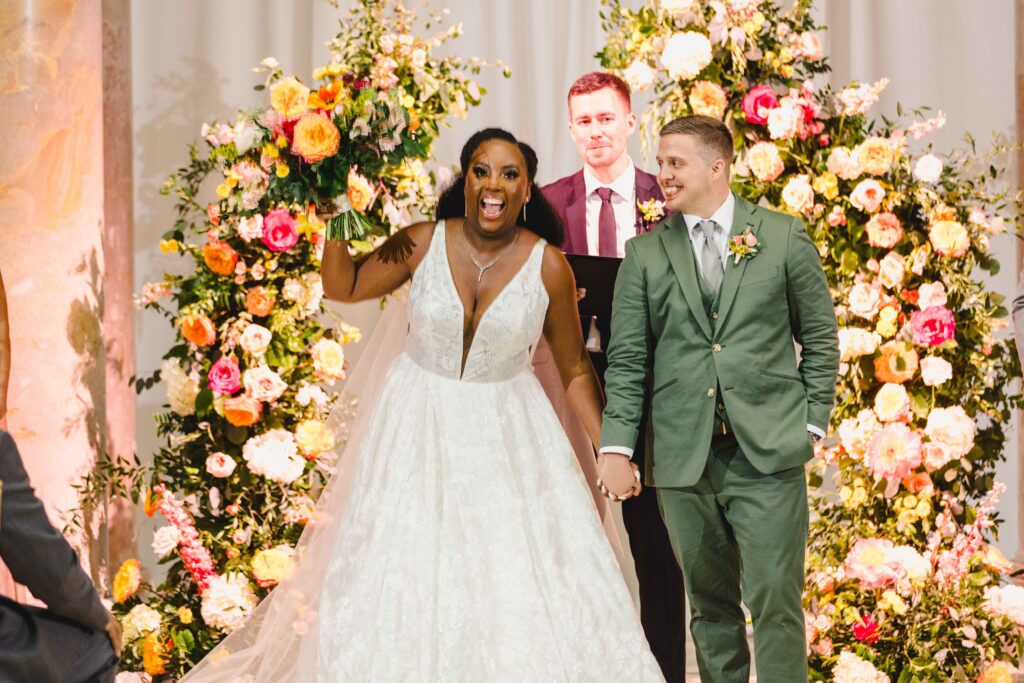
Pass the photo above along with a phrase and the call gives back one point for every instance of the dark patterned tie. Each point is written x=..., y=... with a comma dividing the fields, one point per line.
x=607, y=240
x=710, y=256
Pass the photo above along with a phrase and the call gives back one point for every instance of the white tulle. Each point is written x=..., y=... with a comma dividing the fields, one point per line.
x=463, y=545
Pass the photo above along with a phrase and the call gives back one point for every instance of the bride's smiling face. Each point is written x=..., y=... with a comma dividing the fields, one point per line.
x=496, y=186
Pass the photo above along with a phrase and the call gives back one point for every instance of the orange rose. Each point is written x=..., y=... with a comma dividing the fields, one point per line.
x=198, y=329
x=316, y=138
x=220, y=257
x=897, y=364
x=242, y=411
x=919, y=482
x=127, y=580
x=259, y=301
x=360, y=194
x=153, y=657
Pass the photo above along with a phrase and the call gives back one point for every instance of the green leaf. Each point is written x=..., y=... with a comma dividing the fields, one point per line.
x=849, y=262
x=204, y=401
x=235, y=434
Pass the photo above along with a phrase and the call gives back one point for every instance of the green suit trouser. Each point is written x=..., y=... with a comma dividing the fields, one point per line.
x=737, y=528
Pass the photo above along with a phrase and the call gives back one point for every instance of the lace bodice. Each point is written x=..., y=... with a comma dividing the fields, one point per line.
x=508, y=330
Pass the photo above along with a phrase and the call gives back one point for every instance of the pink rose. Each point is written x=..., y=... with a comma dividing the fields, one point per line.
x=263, y=384
x=750, y=239
x=279, y=231
x=225, y=377
x=220, y=465
x=884, y=230
x=807, y=45
x=932, y=326
x=894, y=452
x=758, y=102
x=931, y=294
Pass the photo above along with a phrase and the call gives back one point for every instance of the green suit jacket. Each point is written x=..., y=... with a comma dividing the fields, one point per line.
x=661, y=326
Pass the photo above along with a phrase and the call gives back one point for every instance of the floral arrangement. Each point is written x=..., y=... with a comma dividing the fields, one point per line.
x=904, y=584
x=248, y=382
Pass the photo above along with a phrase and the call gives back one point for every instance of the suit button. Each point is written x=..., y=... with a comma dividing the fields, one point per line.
x=716, y=348
x=711, y=392
x=721, y=406
x=714, y=315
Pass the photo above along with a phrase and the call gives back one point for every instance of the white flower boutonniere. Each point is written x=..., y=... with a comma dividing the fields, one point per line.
x=651, y=211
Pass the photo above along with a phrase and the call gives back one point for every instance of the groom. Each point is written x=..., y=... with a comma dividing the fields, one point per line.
x=734, y=412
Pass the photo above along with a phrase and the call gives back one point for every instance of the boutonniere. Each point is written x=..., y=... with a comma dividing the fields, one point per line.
x=744, y=246
x=651, y=211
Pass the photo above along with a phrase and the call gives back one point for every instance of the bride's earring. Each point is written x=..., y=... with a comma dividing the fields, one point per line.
x=466, y=214
x=524, y=212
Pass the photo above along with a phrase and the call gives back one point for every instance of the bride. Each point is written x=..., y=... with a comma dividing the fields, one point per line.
x=464, y=544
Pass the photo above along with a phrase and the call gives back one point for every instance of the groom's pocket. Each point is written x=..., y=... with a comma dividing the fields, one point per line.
x=666, y=385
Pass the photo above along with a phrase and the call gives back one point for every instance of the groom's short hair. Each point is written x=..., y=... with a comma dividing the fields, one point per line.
x=599, y=80
x=712, y=133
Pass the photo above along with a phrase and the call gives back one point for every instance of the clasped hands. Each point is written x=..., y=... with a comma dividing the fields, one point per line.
x=617, y=476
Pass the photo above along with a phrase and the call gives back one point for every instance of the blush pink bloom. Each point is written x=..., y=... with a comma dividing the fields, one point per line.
x=807, y=45
x=884, y=230
x=868, y=195
x=279, y=230
x=932, y=326
x=225, y=377
x=220, y=465
x=758, y=102
x=894, y=452
x=867, y=563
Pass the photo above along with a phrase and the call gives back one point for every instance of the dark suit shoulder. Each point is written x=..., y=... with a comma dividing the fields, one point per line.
x=562, y=185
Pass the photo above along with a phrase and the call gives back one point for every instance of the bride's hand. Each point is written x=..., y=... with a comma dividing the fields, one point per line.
x=618, y=476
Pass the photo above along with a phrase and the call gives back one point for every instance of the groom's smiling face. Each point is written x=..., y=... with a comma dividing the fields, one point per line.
x=690, y=176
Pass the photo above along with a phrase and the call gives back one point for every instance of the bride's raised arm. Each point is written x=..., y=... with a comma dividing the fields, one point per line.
x=564, y=336
x=381, y=272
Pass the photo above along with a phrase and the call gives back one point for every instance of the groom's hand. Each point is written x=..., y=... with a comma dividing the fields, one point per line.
x=618, y=476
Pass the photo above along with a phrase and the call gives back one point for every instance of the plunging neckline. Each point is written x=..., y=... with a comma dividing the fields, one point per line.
x=464, y=355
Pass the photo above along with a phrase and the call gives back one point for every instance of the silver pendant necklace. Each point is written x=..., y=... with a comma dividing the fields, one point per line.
x=484, y=266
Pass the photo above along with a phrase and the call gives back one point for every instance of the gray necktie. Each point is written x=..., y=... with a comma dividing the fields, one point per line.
x=710, y=255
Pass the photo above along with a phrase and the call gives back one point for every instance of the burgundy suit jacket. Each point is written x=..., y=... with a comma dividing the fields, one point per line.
x=568, y=197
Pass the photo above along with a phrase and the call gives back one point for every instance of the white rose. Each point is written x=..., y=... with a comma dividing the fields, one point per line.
x=255, y=339
x=855, y=342
x=855, y=432
x=246, y=135
x=310, y=393
x=1007, y=601
x=843, y=163
x=220, y=465
x=935, y=370
x=928, y=168
x=181, y=389
x=165, y=540
x=798, y=194
x=263, y=384
x=686, y=54
x=314, y=291
x=865, y=298
x=891, y=270
x=952, y=428
x=418, y=58
x=250, y=228
x=784, y=120
x=639, y=76
x=868, y=195
x=676, y=6
x=292, y=290
x=931, y=294
x=140, y=620
x=228, y=601
x=274, y=455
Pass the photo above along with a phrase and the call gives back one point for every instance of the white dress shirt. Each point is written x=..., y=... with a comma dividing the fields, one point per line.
x=623, y=204
x=723, y=216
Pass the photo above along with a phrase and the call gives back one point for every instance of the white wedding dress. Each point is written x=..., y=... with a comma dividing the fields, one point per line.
x=470, y=548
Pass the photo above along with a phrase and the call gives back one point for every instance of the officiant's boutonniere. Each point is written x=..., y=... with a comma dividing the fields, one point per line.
x=651, y=212
x=744, y=246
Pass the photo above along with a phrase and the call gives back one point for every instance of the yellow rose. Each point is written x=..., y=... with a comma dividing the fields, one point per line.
x=289, y=97
x=997, y=672
x=127, y=580
x=313, y=438
x=360, y=193
x=892, y=402
x=860, y=495
x=874, y=155
x=184, y=615
x=282, y=170
x=827, y=185
x=708, y=99
x=316, y=138
x=168, y=246
x=271, y=566
x=949, y=238
x=328, y=360
x=892, y=600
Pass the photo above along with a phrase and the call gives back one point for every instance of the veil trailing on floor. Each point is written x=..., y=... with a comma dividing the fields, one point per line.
x=279, y=640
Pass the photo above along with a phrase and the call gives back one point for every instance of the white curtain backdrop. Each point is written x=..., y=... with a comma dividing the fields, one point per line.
x=191, y=62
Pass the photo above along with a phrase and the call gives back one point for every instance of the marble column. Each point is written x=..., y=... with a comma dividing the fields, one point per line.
x=65, y=247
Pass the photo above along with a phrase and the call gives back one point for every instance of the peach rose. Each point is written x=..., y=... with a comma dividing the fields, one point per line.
x=897, y=364
x=867, y=196
x=316, y=138
x=259, y=301
x=949, y=238
x=875, y=156
x=884, y=230
x=807, y=45
x=242, y=411
x=198, y=329
x=289, y=97
x=220, y=257
x=765, y=162
x=360, y=193
x=798, y=194
x=708, y=99
x=263, y=384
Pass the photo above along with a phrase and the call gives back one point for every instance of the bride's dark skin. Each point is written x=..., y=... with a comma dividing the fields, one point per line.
x=497, y=172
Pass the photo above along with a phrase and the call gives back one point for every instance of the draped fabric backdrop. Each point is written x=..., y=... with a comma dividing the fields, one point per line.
x=191, y=63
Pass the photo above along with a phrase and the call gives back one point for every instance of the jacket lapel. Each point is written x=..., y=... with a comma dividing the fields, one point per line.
x=676, y=241
x=576, y=214
x=743, y=217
